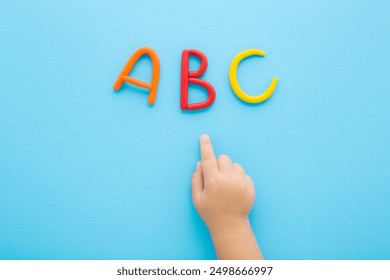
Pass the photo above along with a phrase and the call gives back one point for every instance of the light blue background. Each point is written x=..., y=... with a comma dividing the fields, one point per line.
x=88, y=173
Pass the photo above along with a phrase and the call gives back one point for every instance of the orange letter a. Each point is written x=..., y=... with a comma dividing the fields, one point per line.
x=123, y=76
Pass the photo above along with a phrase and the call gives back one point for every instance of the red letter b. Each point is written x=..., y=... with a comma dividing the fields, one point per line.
x=192, y=77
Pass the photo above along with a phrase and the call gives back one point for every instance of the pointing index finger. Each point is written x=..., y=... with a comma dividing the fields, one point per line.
x=209, y=162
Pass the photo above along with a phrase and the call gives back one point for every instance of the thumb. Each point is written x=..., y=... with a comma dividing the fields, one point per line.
x=197, y=184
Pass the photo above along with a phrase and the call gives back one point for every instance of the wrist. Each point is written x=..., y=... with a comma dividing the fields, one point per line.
x=230, y=227
x=236, y=243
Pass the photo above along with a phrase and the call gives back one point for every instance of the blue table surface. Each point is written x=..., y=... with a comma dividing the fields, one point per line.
x=90, y=173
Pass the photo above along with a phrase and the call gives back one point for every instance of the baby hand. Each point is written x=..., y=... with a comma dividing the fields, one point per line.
x=222, y=193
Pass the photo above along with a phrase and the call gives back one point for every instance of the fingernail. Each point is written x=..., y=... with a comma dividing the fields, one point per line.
x=204, y=137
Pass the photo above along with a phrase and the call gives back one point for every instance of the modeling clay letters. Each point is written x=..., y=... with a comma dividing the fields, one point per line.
x=188, y=76
x=234, y=82
x=123, y=76
x=192, y=77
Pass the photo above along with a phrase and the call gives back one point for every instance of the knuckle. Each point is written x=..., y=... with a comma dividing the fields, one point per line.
x=194, y=178
x=249, y=179
x=212, y=180
x=238, y=166
x=224, y=157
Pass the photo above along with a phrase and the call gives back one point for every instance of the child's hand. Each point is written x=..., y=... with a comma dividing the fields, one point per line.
x=222, y=193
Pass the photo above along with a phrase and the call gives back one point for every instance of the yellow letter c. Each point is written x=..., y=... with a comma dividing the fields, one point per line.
x=234, y=82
